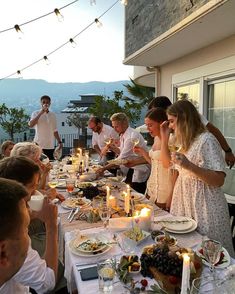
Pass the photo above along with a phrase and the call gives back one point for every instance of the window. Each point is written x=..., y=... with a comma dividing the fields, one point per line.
x=62, y=123
x=190, y=92
x=221, y=108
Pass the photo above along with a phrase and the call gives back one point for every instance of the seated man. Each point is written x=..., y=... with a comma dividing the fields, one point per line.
x=14, y=240
x=137, y=176
x=39, y=274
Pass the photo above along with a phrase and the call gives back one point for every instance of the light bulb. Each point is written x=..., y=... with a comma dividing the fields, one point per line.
x=58, y=14
x=18, y=30
x=124, y=2
x=93, y=2
x=19, y=74
x=74, y=44
x=46, y=60
x=98, y=23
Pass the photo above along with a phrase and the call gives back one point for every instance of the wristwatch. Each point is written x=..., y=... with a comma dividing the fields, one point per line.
x=229, y=150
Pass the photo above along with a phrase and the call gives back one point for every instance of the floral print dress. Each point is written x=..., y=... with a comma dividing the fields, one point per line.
x=194, y=198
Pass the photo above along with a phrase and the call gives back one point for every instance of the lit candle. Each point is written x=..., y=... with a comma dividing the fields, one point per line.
x=145, y=219
x=185, y=275
x=112, y=201
x=107, y=195
x=87, y=161
x=126, y=202
x=128, y=191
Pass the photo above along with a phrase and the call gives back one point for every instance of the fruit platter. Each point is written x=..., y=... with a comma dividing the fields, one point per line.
x=164, y=263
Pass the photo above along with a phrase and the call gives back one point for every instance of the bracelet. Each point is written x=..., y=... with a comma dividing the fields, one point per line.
x=60, y=142
x=229, y=150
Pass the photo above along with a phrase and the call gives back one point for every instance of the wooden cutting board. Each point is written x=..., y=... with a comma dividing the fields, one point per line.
x=175, y=288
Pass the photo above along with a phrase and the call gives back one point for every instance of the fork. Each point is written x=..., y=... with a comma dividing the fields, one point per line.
x=73, y=215
x=71, y=212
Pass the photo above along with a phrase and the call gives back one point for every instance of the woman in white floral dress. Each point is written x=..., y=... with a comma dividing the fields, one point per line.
x=201, y=167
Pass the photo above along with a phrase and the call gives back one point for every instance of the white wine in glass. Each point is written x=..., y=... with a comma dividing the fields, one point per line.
x=135, y=139
x=53, y=183
x=107, y=140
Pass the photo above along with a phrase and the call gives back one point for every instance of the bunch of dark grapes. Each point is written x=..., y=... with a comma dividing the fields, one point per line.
x=163, y=260
x=90, y=192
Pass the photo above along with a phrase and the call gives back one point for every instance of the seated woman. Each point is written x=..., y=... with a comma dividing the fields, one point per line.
x=197, y=192
x=6, y=148
x=159, y=186
x=32, y=151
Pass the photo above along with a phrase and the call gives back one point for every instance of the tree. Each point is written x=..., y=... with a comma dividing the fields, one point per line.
x=105, y=106
x=13, y=120
x=79, y=120
x=141, y=94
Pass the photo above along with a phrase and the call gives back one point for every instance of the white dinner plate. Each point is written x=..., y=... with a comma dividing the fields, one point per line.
x=87, y=254
x=81, y=246
x=225, y=261
x=83, y=185
x=68, y=203
x=177, y=223
x=192, y=228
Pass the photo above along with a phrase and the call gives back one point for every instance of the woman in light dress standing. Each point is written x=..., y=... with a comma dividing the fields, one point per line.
x=159, y=184
x=197, y=192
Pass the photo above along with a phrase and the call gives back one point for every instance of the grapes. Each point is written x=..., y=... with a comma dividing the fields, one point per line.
x=164, y=261
x=90, y=192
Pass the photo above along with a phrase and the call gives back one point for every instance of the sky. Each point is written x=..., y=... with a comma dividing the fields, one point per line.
x=99, y=52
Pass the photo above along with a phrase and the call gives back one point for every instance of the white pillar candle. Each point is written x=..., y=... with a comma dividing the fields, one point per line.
x=86, y=161
x=107, y=195
x=185, y=285
x=126, y=202
x=112, y=201
x=145, y=219
x=128, y=190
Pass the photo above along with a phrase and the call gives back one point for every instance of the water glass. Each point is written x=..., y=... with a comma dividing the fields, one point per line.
x=106, y=275
x=212, y=251
x=207, y=285
x=70, y=184
x=105, y=214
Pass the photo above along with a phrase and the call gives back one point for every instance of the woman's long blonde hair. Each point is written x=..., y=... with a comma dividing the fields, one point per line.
x=189, y=124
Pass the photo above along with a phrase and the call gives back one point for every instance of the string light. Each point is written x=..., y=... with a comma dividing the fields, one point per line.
x=74, y=44
x=124, y=2
x=46, y=60
x=37, y=18
x=18, y=30
x=58, y=14
x=19, y=74
x=98, y=23
x=71, y=40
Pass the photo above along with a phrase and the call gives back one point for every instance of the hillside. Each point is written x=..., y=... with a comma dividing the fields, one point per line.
x=27, y=93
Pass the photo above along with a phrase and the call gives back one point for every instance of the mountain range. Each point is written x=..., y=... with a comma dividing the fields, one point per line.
x=27, y=93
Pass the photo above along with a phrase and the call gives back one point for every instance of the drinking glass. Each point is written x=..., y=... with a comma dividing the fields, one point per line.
x=135, y=139
x=70, y=185
x=105, y=214
x=212, y=251
x=107, y=139
x=120, y=175
x=106, y=275
x=207, y=285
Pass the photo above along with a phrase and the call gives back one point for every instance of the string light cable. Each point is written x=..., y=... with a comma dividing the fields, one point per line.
x=71, y=40
x=55, y=11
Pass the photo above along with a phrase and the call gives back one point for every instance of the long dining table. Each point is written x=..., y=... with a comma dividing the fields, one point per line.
x=74, y=263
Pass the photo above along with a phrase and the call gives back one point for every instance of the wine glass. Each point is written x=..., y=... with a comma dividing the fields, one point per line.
x=173, y=147
x=212, y=251
x=70, y=185
x=135, y=139
x=104, y=213
x=107, y=139
x=120, y=175
x=53, y=180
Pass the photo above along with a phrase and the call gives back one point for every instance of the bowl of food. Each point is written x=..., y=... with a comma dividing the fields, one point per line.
x=167, y=239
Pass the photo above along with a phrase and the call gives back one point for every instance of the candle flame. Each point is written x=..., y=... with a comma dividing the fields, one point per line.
x=145, y=211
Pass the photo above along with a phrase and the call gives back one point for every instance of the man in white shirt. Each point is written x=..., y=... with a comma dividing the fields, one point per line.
x=37, y=273
x=101, y=136
x=45, y=125
x=14, y=239
x=128, y=138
